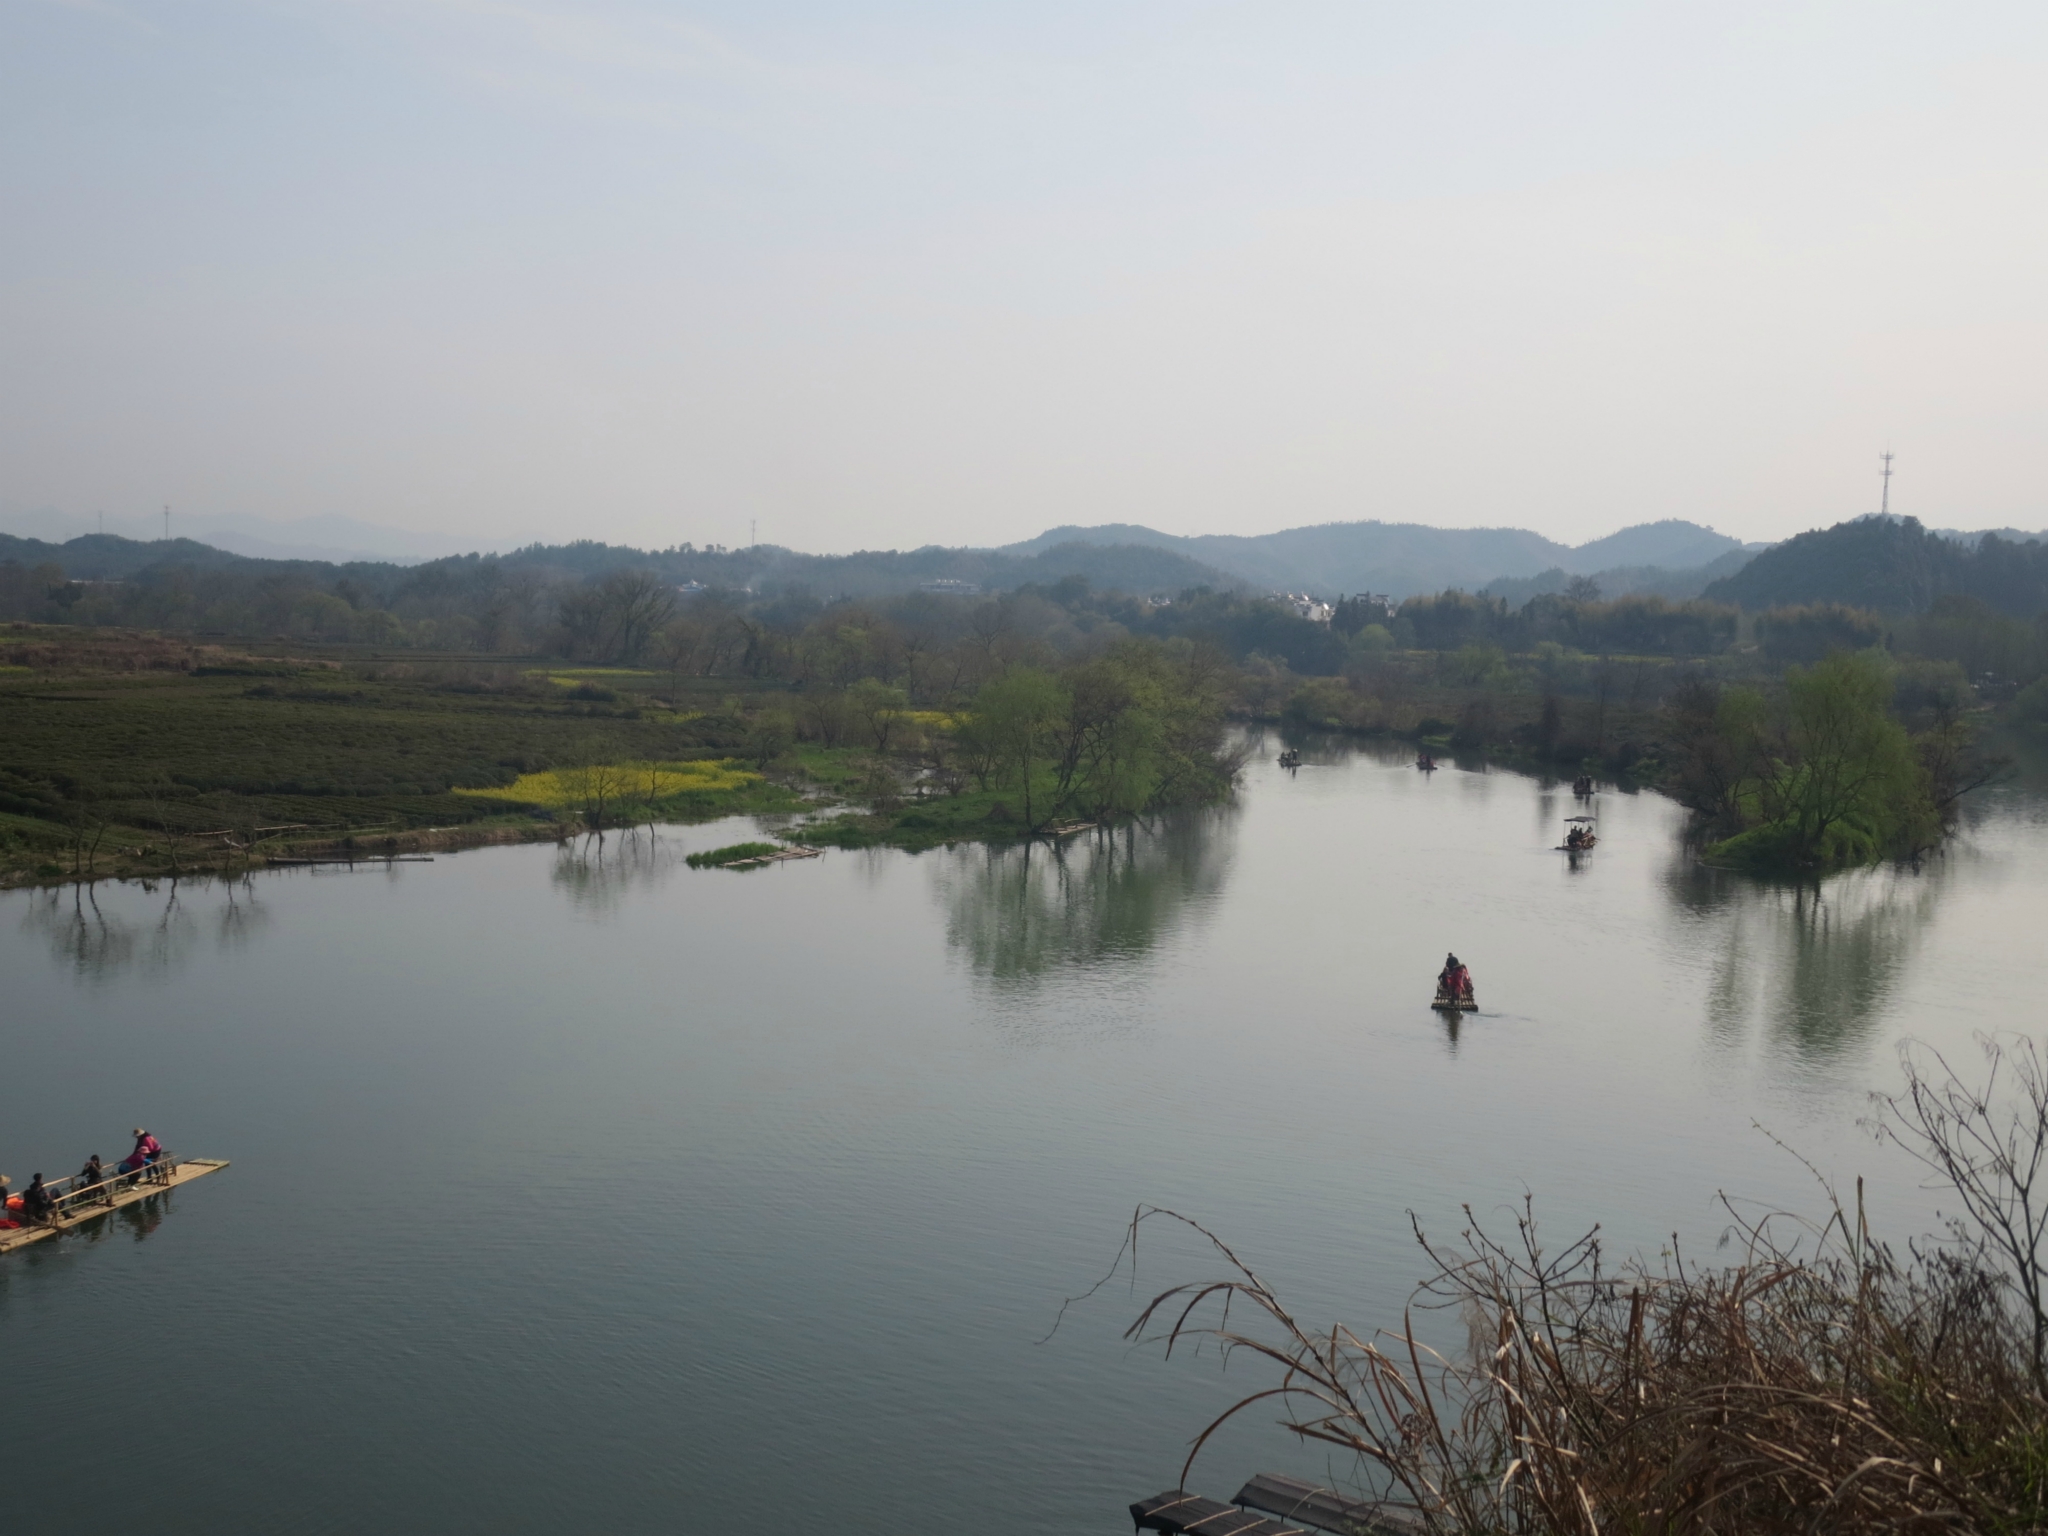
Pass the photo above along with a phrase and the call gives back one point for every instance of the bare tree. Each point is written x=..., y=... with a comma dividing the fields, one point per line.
x=89, y=823
x=879, y=708
x=594, y=780
x=1988, y=1143
x=157, y=793
x=614, y=618
x=677, y=647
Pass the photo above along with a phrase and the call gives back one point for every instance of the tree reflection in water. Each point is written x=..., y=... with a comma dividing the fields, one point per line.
x=94, y=944
x=1820, y=961
x=597, y=871
x=1023, y=911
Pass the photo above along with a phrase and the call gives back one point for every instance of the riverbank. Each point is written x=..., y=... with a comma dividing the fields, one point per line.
x=132, y=755
x=135, y=755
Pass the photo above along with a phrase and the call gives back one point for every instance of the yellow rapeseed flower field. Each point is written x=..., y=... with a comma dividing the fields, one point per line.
x=640, y=782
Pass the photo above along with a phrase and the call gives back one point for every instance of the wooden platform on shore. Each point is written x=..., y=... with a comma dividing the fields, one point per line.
x=118, y=1192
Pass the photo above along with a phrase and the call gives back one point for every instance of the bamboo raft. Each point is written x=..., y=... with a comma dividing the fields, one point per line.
x=1303, y=1507
x=78, y=1204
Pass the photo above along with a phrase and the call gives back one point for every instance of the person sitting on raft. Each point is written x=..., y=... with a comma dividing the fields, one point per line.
x=1455, y=980
x=93, y=1174
x=37, y=1204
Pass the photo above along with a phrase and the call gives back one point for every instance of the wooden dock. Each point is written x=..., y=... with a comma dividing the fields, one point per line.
x=75, y=1207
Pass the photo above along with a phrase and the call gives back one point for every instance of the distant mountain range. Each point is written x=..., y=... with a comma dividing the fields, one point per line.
x=1329, y=560
x=1892, y=565
x=1399, y=559
x=1404, y=559
x=1134, y=568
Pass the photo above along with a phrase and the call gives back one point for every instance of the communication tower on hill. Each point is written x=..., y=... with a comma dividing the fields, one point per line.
x=1884, y=507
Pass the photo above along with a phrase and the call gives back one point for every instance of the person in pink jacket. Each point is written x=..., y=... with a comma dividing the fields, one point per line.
x=147, y=1150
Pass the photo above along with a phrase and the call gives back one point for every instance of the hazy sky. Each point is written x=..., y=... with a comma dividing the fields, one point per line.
x=894, y=273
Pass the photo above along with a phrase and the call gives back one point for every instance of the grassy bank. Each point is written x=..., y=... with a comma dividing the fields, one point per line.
x=135, y=755
x=131, y=754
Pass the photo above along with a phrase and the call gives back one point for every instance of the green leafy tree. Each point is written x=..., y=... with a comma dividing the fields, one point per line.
x=1838, y=782
x=1021, y=719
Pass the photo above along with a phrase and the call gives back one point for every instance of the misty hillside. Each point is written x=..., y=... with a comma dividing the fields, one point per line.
x=1406, y=559
x=1892, y=566
x=1624, y=580
x=1138, y=569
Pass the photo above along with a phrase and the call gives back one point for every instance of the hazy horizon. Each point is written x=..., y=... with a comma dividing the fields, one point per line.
x=489, y=271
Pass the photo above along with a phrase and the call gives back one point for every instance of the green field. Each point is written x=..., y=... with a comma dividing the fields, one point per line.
x=120, y=754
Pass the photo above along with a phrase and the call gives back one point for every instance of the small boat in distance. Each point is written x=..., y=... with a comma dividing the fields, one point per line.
x=1291, y=758
x=1582, y=786
x=1579, y=836
x=1426, y=763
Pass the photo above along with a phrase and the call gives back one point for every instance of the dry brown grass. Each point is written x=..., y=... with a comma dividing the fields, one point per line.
x=1822, y=1382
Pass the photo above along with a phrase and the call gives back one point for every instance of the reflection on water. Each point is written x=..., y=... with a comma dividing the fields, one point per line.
x=133, y=1223
x=1022, y=911
x=598, y=871
x=1818, y=962
x=94, y=943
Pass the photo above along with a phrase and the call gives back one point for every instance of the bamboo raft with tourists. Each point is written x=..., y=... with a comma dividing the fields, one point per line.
x=1454, y=988
x=52, y=1206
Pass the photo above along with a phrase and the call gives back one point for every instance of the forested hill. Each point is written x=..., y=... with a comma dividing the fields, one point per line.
x=109, y=557
x=1890, y=566
x=1130, y=568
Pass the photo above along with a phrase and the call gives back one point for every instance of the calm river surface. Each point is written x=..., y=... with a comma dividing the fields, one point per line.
x=582, y=1191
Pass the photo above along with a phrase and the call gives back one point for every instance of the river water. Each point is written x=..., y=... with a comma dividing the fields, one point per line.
x=577, y=1190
